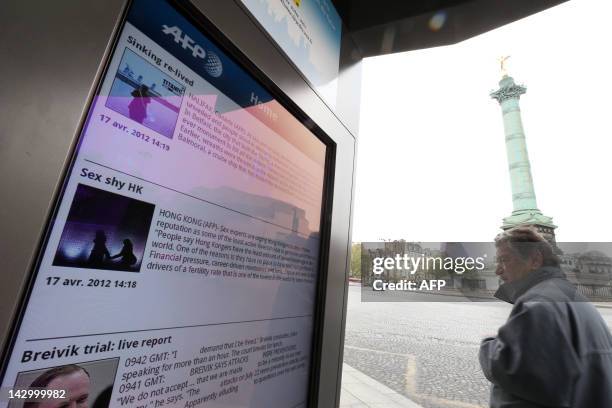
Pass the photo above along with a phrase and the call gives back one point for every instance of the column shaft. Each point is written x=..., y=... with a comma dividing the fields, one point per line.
x=523, y=193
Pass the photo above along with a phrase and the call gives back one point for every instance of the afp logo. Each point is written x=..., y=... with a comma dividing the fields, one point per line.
x=212, y=62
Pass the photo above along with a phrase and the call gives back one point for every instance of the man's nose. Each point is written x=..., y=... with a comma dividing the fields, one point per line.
x=499, y=270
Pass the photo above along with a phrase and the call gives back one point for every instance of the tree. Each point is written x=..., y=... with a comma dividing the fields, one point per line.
x=356, y=260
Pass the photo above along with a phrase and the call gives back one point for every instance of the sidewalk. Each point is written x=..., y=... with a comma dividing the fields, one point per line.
x=602, y=305
x=361, y=391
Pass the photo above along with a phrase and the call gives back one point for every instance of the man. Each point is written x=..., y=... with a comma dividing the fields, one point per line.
x=71, y=378
x=555, y=350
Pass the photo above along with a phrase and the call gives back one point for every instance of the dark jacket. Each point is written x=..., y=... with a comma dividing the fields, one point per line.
x=555, y=350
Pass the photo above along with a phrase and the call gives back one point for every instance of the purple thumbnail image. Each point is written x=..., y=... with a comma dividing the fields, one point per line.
x=143, y=93
x=104, y=230
x=150, y=111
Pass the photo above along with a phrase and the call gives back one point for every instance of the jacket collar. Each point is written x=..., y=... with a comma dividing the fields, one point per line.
x=510, y=292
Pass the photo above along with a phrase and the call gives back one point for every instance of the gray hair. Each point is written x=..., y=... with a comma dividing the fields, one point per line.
x=526, y=241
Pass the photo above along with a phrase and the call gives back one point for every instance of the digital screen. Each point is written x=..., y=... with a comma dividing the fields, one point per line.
x=181, y=262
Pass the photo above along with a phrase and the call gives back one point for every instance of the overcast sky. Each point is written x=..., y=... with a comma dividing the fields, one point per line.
x=432, y=162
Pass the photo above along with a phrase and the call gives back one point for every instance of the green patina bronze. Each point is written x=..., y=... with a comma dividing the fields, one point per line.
x=525, y=209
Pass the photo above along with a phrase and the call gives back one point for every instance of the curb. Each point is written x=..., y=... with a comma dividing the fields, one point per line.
x=362, y=391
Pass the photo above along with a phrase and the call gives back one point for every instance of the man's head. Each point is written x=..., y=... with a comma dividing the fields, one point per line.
x=520, y=251
x=71, y=378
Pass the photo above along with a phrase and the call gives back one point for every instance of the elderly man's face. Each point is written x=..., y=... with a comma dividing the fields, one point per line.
x=77, y=387
x=510, y=266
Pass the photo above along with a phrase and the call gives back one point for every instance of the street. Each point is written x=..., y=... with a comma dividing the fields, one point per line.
x=425, y=351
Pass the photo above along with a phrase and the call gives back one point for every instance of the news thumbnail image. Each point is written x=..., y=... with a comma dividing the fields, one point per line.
x=86, y=384
x=143, y=93
x=104, y=230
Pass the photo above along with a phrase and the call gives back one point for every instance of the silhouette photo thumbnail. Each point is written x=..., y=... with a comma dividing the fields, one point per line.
x=104, y=230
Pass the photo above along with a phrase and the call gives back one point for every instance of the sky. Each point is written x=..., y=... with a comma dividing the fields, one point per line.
x=431, y=161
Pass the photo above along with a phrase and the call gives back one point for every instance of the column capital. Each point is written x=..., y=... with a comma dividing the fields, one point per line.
x=508, y=89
